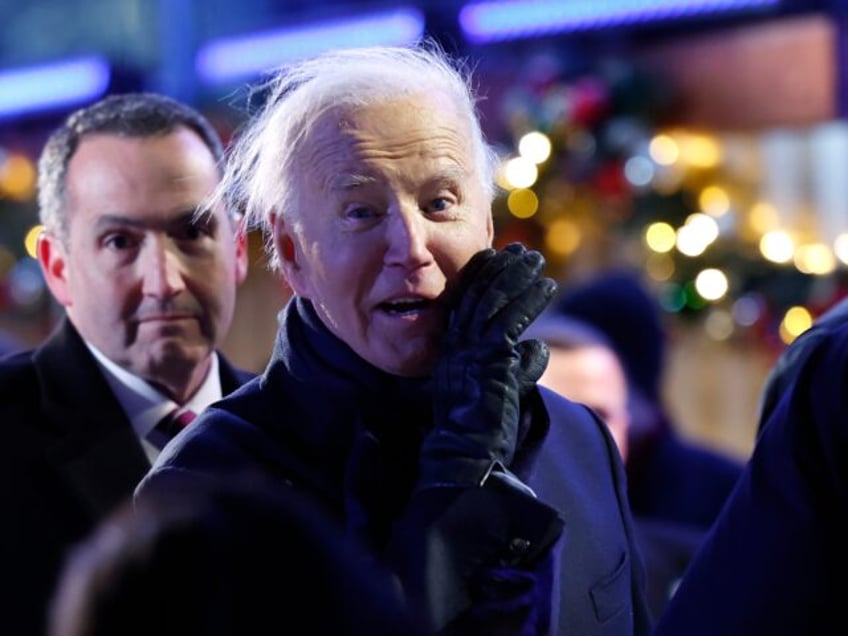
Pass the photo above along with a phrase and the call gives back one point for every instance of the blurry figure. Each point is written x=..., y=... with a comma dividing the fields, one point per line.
x=224, y=560
x=774, y=562
x=668, y=478
x=585, y=367
x=147, y=276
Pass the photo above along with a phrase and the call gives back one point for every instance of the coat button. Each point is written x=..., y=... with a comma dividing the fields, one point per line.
x=519, y=546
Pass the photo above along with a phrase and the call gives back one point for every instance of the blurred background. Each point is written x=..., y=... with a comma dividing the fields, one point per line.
x=702, y=142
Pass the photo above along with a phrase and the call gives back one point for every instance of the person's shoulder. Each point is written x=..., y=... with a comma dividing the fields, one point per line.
x=572, y=419
x=828, y=327
x=816, y=399
x=223, y=439
x=14, y=361
x=578, y=442
x=215, y=434
x=825, y=349
x=827, y=361
x=837, y=329
x=28, y=426
x=17, y=373
x=826, y=332
x=215, y=444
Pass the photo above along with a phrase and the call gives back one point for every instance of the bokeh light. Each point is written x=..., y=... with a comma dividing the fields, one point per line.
x=639, y=171
x=563, y=237
x=714, y=201
x=522, y=203
x=17, y=177
x=660, y=237
x=664, y=150
x=31, y=240
x=535, y=147
x=719, y=325
x=519, y=172
x=777, y=246
x=711, y=283
x=840, y=247
x=747, y=310
x=795, y=321
x=814, y=258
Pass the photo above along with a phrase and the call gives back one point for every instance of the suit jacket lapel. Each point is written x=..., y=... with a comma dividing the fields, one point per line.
x=96, y=451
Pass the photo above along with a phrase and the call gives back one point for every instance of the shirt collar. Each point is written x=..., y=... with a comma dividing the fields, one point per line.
x=143, y=403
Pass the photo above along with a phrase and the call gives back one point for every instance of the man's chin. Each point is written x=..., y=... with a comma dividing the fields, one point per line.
x=173, y=353
x=416, y=365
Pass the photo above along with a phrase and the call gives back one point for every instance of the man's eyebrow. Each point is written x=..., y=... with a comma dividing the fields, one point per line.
x=106, y=220
x=453, y=174
x=187, y=216
x=349, y=181
x=343, y=182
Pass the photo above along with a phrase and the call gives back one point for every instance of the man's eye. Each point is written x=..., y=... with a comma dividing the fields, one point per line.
x=192, y=232
x=360, y=212
x=440, y=204
x=120, y=242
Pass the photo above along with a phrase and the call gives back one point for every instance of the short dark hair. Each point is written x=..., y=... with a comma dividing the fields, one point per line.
x=125, y=115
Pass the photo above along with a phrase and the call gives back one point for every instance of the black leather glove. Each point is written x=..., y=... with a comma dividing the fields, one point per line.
x=484, y=369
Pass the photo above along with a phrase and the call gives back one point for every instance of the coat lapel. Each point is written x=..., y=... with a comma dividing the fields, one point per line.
x=96, y=452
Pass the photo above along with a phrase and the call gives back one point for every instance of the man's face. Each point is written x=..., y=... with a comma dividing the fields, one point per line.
x=593, y=376
x=141, y=280
x=389, y=210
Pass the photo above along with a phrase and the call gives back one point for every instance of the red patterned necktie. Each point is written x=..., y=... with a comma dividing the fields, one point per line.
x=169, y=426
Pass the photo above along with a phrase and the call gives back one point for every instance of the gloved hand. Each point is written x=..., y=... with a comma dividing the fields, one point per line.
x=483, y=369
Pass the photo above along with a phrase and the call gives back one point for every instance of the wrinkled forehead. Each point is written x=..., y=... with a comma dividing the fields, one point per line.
x=418, y=127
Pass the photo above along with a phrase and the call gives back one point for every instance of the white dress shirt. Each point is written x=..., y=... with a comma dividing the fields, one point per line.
x=145, y=405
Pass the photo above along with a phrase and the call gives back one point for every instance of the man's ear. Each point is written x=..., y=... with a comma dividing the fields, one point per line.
x=241, y=254
x=53, y=259
x=285, y=245
x=490, y=230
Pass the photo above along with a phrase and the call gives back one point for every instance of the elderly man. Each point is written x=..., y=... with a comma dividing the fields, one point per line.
x=399, y=395
x=148, y=280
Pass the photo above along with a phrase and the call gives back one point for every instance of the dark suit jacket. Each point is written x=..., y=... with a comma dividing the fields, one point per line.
x=71, y=457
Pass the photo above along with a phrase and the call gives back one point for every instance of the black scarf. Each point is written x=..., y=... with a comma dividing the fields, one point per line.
x=364, y=425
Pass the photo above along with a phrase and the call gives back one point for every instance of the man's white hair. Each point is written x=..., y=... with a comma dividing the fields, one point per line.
x=260, y=179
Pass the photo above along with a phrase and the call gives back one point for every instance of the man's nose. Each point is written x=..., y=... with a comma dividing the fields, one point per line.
x=407, y=238
x=162, y=265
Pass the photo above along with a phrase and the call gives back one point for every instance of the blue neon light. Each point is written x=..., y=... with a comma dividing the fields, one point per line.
x=513, y=19
x=54, y=85
x=240, y=57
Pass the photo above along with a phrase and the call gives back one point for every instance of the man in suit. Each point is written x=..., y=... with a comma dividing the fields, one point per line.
x=147, y=274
